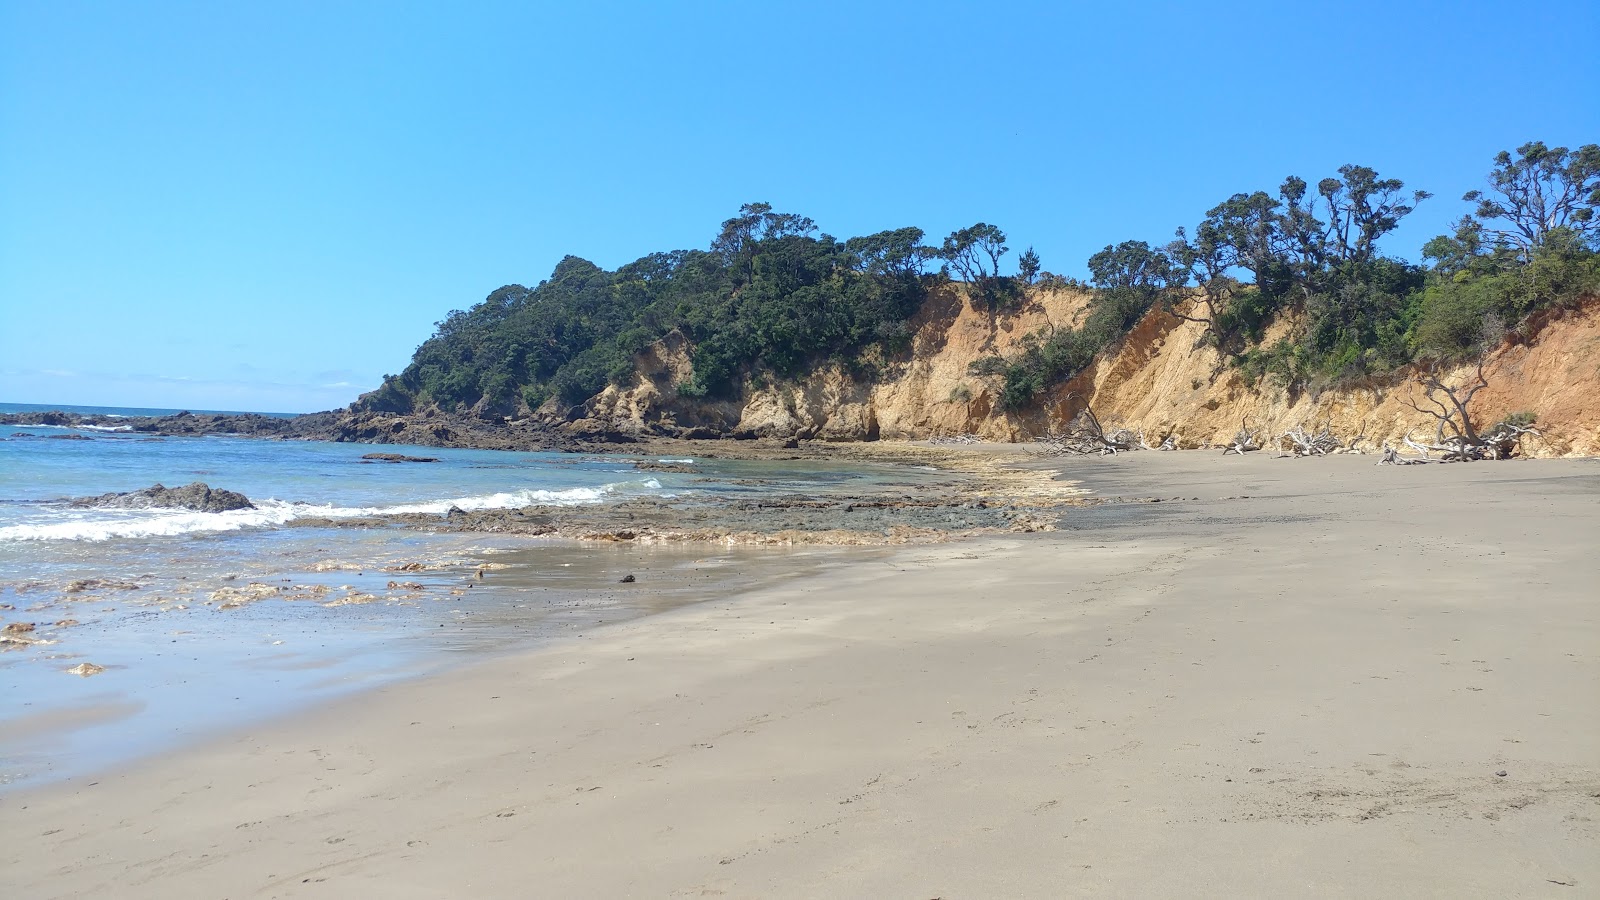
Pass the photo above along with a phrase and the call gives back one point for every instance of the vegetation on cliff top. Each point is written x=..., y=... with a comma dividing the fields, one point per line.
x=1529, y=244
x=772, y=297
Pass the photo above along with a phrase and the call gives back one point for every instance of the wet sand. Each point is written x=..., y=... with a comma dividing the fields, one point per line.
x=1289, y=678
x=174, y=673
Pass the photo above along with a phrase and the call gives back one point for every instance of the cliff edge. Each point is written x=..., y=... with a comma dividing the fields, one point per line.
x=1161, y=378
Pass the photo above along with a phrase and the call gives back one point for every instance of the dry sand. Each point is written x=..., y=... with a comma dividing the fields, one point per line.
x=1306, y=682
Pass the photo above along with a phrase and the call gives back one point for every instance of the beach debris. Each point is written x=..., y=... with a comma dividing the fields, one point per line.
x=1085, y=435
x=17, y=628
x=399, y=457
x=199, y=497
x=407, y=567
x=626, y=579
x=406, y=585
x=1392, y=457
x=1501, y=773
x=1456, y=437
x=86, y=669
x=1245, y=441
x=1297, y=441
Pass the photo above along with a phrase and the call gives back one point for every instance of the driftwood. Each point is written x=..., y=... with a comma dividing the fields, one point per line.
x=1456, y=438
x=1243, y=442
x=1085, y=435
x=1303, y=441
x=1297, y=441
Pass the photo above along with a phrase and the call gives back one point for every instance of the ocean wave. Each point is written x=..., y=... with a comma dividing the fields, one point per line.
x=688, y=462
x=103, y=525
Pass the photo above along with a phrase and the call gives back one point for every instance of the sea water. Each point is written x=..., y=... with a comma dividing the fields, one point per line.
x=179, y=663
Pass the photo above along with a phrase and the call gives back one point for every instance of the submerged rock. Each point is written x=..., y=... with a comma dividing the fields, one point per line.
x=398, y=457
x=198, y=496
x=86, y=669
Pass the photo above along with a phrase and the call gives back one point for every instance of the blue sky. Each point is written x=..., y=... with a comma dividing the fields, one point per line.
x=268, y=206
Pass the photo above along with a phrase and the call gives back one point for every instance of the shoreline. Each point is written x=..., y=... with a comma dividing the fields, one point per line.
x=175, y=661
x=1303, y=679
x=272, y=658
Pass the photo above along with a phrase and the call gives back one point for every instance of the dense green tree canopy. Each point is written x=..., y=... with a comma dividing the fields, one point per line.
x=768, y=296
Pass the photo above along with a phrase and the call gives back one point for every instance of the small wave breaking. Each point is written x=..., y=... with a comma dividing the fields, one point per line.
x=103, y=525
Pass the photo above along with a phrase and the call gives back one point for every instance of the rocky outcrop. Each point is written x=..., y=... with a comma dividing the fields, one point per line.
x=198, y=497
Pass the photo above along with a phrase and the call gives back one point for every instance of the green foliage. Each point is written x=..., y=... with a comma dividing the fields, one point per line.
x=769, y=296
x=1028, y=266
x=974, y=254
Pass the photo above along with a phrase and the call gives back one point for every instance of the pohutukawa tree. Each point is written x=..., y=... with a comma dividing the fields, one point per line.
x=1538, y=191
x=974, y=255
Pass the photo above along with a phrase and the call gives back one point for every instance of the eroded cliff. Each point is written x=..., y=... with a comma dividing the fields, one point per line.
x=1160, y=379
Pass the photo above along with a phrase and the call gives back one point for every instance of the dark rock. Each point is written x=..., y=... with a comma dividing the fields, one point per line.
x=198, y=496
x=68, y=437
x=399, y=457
x=626, y=579
x=792, y=444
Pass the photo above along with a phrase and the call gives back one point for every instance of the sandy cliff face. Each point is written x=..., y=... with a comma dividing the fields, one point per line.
x=1159, y=380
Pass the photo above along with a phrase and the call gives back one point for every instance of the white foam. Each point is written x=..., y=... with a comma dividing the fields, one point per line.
x=684, y=461
x=152, y=523
x=102, y=525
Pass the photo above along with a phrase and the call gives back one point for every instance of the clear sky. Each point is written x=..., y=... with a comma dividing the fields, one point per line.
x=267, y=206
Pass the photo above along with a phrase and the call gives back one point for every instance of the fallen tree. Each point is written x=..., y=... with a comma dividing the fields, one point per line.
x=1085, y=435
x=1300, y=441
x=1245, y=441
x=1457, y=438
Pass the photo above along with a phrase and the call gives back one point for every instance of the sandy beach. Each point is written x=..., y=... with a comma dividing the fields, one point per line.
x=1288, y=678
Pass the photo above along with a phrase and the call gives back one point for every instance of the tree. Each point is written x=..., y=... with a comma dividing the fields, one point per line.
x=1539, y=190
x=896, y=253
x=1361, y=209
x=1028, y=266
x=1456, y=435
x=974, y=253
x=756, y=222
x=1134, y=265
